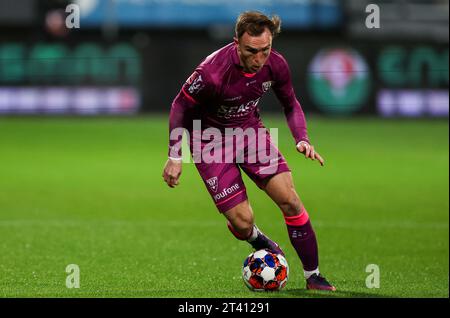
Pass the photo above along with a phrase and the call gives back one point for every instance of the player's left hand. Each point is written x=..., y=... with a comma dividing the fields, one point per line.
x=309, y=151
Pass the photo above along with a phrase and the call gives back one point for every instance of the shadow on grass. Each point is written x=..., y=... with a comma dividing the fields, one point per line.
x=304, y=293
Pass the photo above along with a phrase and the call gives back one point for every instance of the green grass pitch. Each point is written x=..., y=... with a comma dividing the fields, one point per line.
x=88, y=191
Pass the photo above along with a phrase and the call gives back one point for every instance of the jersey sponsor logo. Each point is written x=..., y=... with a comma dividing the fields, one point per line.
x=195, y=83
x=266, y=86
x=213, y=183
x=226, y=192
x=242, y=110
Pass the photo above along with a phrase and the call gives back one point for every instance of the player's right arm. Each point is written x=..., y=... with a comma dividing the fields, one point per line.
x=172, y=172
x=191, y=94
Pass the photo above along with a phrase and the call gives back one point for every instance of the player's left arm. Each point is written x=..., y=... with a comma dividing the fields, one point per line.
x=293, y=111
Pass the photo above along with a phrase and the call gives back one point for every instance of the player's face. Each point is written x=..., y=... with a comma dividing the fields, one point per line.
x=254, y=50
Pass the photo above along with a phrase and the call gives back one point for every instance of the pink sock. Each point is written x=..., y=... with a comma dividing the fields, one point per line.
x=303, y=239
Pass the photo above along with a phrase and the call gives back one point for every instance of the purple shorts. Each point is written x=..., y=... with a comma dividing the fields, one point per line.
x=220, y=166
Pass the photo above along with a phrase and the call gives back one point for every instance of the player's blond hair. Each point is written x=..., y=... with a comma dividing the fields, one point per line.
x=255, y=22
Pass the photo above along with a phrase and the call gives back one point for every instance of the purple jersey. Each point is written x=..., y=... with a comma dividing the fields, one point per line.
x=222, y=95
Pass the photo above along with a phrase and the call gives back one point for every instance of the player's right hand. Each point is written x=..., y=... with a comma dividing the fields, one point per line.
x=172, y=172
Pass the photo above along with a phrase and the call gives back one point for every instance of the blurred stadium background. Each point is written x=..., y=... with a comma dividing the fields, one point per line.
x=83, y=139
x=131, y=56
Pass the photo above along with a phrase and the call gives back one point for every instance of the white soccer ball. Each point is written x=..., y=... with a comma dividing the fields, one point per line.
x=265, y=270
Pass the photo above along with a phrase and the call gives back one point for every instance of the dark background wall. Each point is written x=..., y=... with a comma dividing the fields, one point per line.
x=369, y=71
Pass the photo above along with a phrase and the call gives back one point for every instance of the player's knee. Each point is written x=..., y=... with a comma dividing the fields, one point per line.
x=244, y=223
x=240, y=218
x=291, y=206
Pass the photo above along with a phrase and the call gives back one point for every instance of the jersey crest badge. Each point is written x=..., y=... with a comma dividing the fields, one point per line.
x=213, y=183
x=266, y=86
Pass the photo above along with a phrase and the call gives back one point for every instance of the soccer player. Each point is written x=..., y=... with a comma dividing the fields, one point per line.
x=222, y=93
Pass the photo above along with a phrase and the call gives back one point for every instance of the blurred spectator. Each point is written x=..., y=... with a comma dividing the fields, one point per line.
x=55, y=23
x=53, y=12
